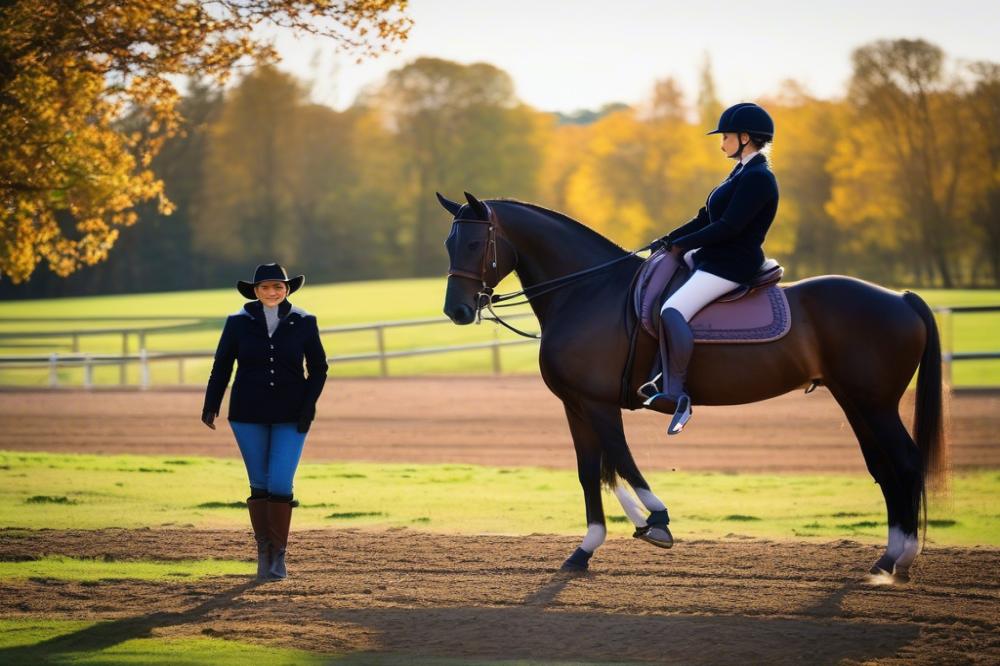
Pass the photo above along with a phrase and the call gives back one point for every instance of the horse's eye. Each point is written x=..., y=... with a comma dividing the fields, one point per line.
x=473, y=245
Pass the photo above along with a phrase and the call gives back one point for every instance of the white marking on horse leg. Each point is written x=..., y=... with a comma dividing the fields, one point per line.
x=911, y=546
x=595, y=537
x=896, y=542
x=649, y=500
x=630, y=505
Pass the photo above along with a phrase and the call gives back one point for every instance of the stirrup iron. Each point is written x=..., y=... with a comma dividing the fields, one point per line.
x=649, y=390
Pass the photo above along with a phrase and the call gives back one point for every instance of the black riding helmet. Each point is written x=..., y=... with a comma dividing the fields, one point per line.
x=745, y=117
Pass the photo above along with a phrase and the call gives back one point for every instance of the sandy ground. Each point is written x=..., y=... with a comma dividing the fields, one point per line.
x=368, y=594
x=491, y=597
x=496, y=421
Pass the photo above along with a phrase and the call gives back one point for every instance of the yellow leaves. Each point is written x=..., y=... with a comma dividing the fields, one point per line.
x=83, y=71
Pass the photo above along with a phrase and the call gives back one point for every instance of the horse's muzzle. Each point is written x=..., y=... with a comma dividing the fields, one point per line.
x=460, y=314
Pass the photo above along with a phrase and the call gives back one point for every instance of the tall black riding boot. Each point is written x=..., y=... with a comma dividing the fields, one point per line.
x=680, y=346
x=258, y=519
x=279, y=519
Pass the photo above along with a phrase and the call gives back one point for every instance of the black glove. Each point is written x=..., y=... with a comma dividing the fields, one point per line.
x=208, y=418
x=305, y=420
x=660, y=244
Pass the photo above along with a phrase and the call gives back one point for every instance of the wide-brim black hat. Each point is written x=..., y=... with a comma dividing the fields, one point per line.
x=267, y=273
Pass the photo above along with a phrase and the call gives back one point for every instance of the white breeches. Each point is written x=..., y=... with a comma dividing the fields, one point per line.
x=701, y=289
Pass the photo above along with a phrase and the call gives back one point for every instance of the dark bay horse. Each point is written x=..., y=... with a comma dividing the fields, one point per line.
x=861, y=341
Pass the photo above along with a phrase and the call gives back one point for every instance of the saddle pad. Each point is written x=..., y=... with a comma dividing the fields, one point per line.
x=761, y=316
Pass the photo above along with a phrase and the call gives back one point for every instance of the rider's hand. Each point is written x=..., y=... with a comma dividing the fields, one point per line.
x=208, y=418
x=659, y=244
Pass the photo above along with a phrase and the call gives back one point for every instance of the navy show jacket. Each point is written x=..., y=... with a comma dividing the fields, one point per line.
x=270, y=385
x=730, y=228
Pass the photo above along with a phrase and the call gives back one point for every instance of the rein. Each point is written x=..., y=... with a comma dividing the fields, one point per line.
x=485, y=298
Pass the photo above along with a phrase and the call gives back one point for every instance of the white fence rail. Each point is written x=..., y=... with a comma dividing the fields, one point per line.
x=55, y=361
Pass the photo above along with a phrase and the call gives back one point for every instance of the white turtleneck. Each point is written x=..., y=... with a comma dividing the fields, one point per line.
x=271, y=317
x=746, y=157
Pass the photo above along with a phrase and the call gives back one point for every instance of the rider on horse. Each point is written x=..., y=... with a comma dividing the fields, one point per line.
x=721, y=245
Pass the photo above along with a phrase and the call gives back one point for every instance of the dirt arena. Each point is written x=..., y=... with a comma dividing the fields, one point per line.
x=484, y=420
x=488, y=597
x=368, y=594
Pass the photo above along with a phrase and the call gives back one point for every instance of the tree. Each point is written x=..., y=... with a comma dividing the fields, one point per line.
x=70, y=71
x=804, y=235
x=458, y=127
x=984, y=107
x=903, y=161
x=709, y=106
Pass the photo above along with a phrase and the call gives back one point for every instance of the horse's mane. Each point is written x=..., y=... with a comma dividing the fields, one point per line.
x=563, y=218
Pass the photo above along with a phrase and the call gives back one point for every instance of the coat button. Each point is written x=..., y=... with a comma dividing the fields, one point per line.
x=272, y=383
x=291, y=323
x=272, y=359
x=272, y=346
x=272, y=372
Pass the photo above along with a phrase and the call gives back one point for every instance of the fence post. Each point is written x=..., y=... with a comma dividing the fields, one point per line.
x=54, y=370
x=383, y=363
x=88, y=372
x=949, y=345
x=123, y=368
x=76, y=343
x=496, y=350
x=180, y=370
x=143, y=369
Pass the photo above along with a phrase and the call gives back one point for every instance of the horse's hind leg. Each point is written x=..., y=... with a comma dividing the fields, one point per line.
x=894, y=462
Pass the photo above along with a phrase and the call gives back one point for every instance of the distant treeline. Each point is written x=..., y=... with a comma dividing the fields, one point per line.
x=898, y=182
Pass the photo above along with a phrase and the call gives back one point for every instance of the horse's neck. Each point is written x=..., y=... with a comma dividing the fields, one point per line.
x=549, y=248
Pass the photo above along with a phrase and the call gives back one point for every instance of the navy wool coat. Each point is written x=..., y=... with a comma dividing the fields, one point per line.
x=730, y=228
x=270, y=384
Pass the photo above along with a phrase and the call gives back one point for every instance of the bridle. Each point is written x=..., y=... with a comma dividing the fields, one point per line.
x=485, y=298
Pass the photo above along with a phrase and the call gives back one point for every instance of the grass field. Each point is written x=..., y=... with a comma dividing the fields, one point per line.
x=354, y=303
x=31, y=641
x=89, y=492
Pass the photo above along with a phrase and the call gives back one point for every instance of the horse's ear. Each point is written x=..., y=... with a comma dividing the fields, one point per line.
x=449, y=205
x=478, y=206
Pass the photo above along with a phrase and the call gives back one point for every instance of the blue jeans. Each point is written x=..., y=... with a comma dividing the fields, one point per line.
x=271, y=452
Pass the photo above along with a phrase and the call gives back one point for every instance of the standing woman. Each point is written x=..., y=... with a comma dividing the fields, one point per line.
x=722, y=245
x=272, y=402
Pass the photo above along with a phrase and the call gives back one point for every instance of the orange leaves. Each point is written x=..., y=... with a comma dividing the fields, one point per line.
x=77, y=78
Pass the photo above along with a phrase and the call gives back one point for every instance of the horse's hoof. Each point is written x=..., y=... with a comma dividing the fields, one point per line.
x=901, y=575
x=883, y=566
x=578, y=561
x=658, y=536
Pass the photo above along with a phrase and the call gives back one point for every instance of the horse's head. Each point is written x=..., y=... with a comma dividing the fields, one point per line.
x=480, y=256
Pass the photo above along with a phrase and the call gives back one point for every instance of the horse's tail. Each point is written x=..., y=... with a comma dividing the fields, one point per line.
x=928, y=408
x=609, y=466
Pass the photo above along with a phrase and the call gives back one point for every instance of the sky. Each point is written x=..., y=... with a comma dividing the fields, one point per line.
x=566, y=55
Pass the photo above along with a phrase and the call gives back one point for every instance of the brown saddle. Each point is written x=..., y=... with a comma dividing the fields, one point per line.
x=757, y=312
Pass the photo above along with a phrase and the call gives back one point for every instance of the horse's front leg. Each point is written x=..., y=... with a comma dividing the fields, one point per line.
x=587, y=443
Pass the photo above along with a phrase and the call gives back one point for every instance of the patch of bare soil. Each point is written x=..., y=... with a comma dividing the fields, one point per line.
x=367, y=593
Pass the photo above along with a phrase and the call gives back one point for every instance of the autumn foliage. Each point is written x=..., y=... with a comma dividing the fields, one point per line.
x=897, y=181
x=71, y=170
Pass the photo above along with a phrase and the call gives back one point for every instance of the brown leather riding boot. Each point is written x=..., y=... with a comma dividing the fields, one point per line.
x=258, y=520
x=279, y=519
